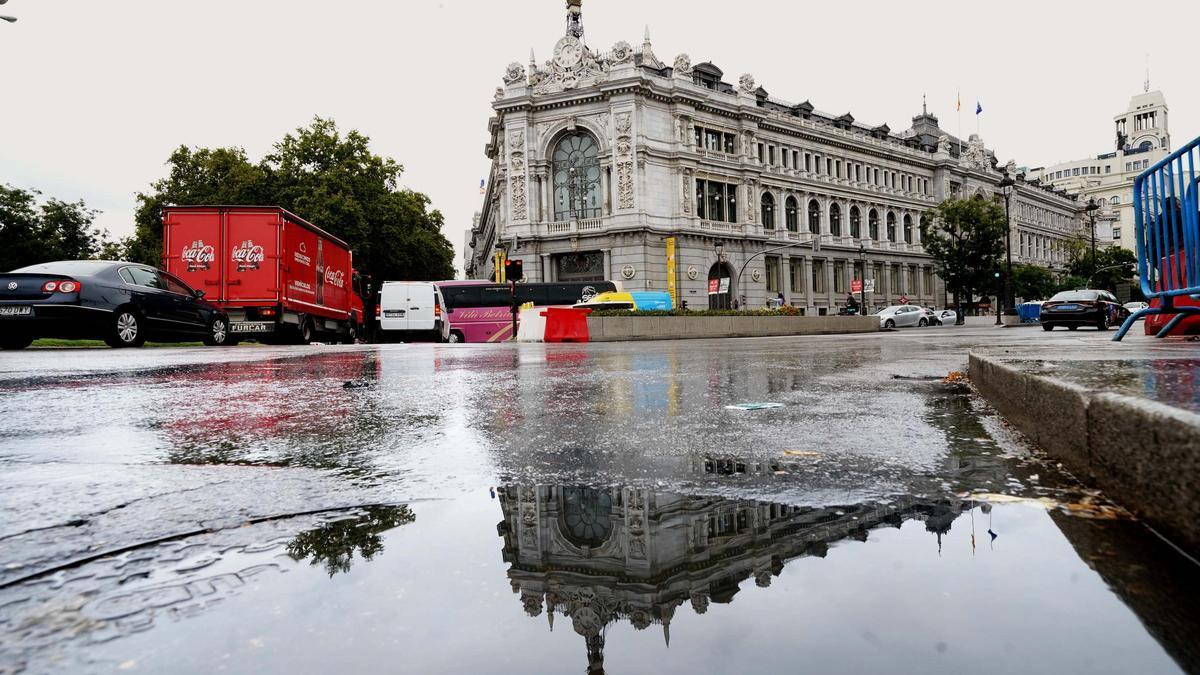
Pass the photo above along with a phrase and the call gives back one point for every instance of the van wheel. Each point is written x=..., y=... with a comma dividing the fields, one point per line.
x=15, y=341
x=125, y=329
x=455, y=336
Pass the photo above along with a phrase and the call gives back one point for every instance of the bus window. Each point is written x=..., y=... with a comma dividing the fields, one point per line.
x=532, y=293
x=494, y=296
x=460, y=296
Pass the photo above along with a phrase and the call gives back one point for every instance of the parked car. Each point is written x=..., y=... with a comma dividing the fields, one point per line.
x=122, y=303
x=1082, y=308
x=1135, y=307
x=902, y=315
x=945, y=316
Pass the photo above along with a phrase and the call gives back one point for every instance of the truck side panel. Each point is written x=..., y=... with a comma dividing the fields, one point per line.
x=191, y=245
x=318, y=276
x=252, y=257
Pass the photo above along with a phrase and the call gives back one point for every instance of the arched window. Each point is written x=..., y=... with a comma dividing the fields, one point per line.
x=768, y=211
x=873, y=224
x=835, y=220
x=814, y=217
x=891, y=226
x=908, y=235
x=586, y=516
x=855, y=222
x=793, y=215
x=1145, y=145
x=576, y=177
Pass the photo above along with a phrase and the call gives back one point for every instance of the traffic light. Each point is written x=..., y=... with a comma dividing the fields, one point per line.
x=513, y=270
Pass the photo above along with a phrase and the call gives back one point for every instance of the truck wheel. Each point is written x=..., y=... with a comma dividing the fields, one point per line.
x=15, y=341
x=125, y=329
x=218, y=333
x=306, y=332
x=351, y=334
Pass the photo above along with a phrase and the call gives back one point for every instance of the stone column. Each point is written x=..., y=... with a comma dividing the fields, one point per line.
x=608, y=263
x=545, y=276
x=830, y=274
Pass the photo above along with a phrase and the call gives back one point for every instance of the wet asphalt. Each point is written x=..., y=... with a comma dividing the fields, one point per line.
x=561, y=508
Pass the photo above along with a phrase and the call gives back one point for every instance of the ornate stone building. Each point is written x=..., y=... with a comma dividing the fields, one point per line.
x=598, y=556
x=600, y=159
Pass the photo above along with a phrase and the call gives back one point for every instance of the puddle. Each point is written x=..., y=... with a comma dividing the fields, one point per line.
x=547, y=578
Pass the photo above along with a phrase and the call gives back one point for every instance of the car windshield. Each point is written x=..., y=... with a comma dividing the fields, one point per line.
x=68, y=267
x=1075, y=296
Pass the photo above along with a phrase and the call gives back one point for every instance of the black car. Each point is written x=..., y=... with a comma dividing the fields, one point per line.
x=122, y=303
x=1082, y=308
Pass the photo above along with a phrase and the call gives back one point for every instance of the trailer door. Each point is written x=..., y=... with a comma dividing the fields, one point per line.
x=252, y=256
x=191, y=240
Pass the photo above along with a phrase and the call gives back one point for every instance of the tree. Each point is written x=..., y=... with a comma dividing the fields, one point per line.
x=1113, y=265
x=330, y=179
x=55, y=230
x=966, y=240
x=1032, y=282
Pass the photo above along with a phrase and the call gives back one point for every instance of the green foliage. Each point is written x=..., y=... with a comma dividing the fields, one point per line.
x=1032, y=282
x=1070, y=283
x=966, y=240
x=334, y=545
x=1113, y=265
x=330, y=179
x=54, y=230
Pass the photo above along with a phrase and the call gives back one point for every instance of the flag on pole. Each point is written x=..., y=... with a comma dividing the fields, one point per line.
x=978, y=108
x=958, y=105
x=481, y=186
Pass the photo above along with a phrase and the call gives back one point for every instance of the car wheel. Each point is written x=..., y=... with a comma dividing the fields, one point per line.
x=1103, y=325
x=1047, y=327
x=126, y=329
x=922, y=323
x=889, y=324
x=15, y=341
x=218, y=332
x=455, y=336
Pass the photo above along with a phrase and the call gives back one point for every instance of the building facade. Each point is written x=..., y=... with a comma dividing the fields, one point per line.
x=601, y=161
x=1142, y=139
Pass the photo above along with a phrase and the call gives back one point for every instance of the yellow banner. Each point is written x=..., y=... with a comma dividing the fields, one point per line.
x=671, y=272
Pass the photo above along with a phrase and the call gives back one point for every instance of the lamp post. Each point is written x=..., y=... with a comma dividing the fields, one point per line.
x=1006, y=190
x=862, y=289
x=1092, y=208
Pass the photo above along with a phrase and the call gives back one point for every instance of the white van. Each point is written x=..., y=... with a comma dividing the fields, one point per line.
x=408, y=309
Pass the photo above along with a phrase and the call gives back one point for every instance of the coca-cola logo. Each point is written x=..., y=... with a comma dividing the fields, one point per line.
x=248, y=255
x=199, y=256
x=335, y=277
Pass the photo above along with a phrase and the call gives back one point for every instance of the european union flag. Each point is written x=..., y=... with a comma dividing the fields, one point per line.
x=978, y=108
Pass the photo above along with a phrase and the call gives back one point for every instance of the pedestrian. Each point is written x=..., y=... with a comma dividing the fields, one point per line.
x=781, y=299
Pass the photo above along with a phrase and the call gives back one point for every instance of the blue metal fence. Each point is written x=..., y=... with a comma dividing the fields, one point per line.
x=1166, y=205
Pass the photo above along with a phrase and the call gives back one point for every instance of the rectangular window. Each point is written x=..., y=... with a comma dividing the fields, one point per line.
x=807, y=162
x=838, y=166
x=796, y=159
x=761, y=152
x=701, y=202
x=716, y=201
x=894, y=279
x=796, y=272
x=730, y=148
x=818, y=276
x=698, y=133
x=1116, y=235
x=877, y=276
x=1108, y=168
x=911, y=280
x=839, y=277
x=786, y=155
x=771, y=155
x=928, y=281
x=771, y=263
x=828, y=167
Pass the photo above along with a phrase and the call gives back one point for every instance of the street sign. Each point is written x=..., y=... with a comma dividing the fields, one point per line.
x=904, y=299
x=724, y=284
x=869, y=286
x=856, y=286
x=714, y=286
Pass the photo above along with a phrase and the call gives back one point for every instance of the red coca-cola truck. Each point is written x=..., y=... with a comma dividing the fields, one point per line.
x=279, y=278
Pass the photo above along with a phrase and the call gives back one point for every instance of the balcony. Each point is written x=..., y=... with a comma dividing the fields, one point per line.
x=720, y=226
x=572, y=226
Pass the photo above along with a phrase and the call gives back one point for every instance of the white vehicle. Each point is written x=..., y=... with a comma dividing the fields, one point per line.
x=408, y=309
x=945, y=317
x=1135, y=307
x=902, y=315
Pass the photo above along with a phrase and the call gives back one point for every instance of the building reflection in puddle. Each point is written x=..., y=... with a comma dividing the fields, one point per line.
x=597, y=556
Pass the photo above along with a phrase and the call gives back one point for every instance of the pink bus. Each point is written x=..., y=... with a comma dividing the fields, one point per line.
x=481, y=311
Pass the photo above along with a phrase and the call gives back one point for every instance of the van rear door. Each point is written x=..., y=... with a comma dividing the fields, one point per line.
x=420, y=307
x=393, y=306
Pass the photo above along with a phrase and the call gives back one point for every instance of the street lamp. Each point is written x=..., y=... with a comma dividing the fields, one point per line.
x=1006, y=189
x=862, y=288
x=1092, y=208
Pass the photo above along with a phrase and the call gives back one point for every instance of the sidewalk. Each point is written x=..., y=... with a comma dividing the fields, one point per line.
x=1122, y=416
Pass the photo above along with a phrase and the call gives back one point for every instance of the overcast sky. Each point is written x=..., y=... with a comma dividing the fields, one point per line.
x=96, y=93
